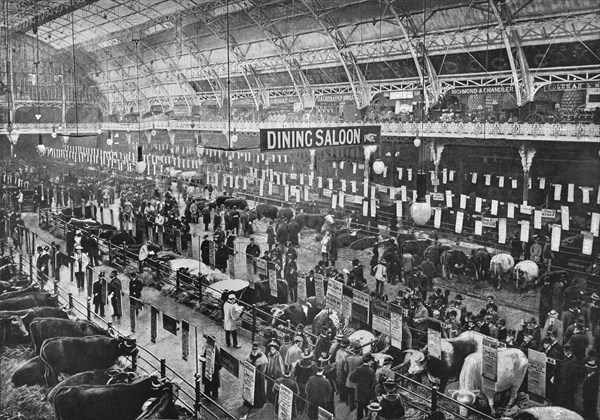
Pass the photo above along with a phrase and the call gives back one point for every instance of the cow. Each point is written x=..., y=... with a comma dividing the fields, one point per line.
x=5, y=287
x=454, y=353
x=162, y=407
x=328, y=318
x=480, y=261
x=285, y=213
x=72, y=355
x=9, y=295
x=30, y=373
x=512, y=367
x=262, y=293
x=501, y=266
x=296, y=313
x=311, y=221
x=219, y=201
x=44, y=328
x=116, y=402
x=526, y=274
x=92, y=377
x=21, y=320
x=434, y=252
x=29, y=301
x=473, y=399
x=239, y=203
x=364, y=338
x=262, y=210
x=415, y=247
x=546, y=413
x=453, y=261
x=8, y=271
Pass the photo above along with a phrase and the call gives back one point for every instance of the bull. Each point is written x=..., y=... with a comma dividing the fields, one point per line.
x=285, y=213
x=262, y=293
x=116, y=402
x=29, y=301
x=45, y=328
x=92, y=377
x=512, y=367
x=453, y=261
x=5, y=287
x=501, y=266
x=526, y=274
x=330, y=319
x=21, y=320
x=480, y=261
x=546, y=413
x=8, y=271
x=434, y=252
x=17, y=293
x=262, y=210
x=163, y=407
x=31, y=373
x=296, y=313
x=311, y=221
x=364, y=338
x=240, y=203
x=449, y=366
x=72, y=355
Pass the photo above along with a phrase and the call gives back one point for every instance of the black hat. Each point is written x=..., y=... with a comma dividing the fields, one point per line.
x=255, y=346
x=355, y=261
x=568, y=346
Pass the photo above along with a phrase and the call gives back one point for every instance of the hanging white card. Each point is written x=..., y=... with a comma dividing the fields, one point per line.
x=414, y=195
x=444, y=175
x=437, y=220
x=585, y=199
x=564, y=217
x=474, y=178
x=555, y=240
x=449, y=198
x=478, y=203
x=354, y=164
x=261, y=187
x=399, y=170
x=334, y=200
x=501, y=181
x=478, y=227
x=595, y=224
x=588, y=243
x=463, y=201
x=398, y=209
x=459, y=222
x=409, y=174
x=494, y=209
x=488, y=180
x=451, y=176
x=537, y=219
x=513, y=183
x=343, y=184
x=306, y=192
x=270, y=188
x=353, y=185
x=570, y=193
x=365, y=208
x=502, y=230
x=330, y=182
x=542, y=183
x=320, y=182
x=341, y=198
x=524, y=230
x=373, y=207
x=286, y=192
x=557, y=191
x=510, y=210
x=403, y=190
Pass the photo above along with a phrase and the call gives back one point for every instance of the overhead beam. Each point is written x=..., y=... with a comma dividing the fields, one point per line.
x=358, y=81
x=50, y=14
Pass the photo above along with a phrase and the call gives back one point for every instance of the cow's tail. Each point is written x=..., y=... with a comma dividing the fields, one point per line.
x=49, y=374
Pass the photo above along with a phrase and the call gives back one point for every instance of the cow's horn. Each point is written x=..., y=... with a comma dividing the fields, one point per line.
x=113, y=372
x=410, y=351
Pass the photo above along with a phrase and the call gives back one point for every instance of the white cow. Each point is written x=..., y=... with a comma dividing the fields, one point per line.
x=551, y=413
x=501, y=266
x=363, y=337
x=512, y=367
x=525, y=273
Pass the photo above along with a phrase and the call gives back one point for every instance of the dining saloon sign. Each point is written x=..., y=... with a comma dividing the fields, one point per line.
x=278, y=139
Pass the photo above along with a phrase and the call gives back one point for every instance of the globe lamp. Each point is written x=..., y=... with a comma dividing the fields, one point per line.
x=378, y=167
x=420, y=210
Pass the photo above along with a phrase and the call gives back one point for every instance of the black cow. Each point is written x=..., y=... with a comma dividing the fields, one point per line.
x=21, y=320
x=17, y=293
x=72, y=355
x=240, y=203
x=115, y=402
x=297, y=313
x=311, y=221
x=480, y=262
x=91, y=377
x=415, y=247
x=285, y=213
x=163, y=407
x=29, y=301
x=44, y=328
x=31, y=373
x=262, y=293
x=5, y=287
x=8, y=271
x=264, y=210
x=453, y=261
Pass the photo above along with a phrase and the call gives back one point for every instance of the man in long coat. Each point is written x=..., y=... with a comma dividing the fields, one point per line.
x=259, y=361
x=319, y=394
x=99, y=294
x=205, y=250
x=274, y=369
x=114, y=292
x=291, y=384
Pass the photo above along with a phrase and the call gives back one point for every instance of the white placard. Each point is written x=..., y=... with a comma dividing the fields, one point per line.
x=510, y=210
x=494, y=209
x=488, y=180
x=449, y=198
x=570, y=193
x=451, y=176
x=586, y=195
x=403, y=191
x=501, y=181
x=373, y=207
x=341, y=199
x=537, y=219
x=398, y=209
x=542, y=183
x=399, y=173
x=557, y=191
x=555, y=240
x=564, y=217
x=320, y=182
x=474, y=178
x=478, y=227
x=463, y=201
x=478, y=203
x=459, y=222
x=502, y=231
x=445, y=176
x=409, y=172
x=437, y=221
x=588, y=243
x=524, y=231
x=595, y=224
x=334, y=201
x=343, y=185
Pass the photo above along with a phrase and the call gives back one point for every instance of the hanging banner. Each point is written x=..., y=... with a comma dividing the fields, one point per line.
x=502, y=231
x=230, y=362
x=564, y=217
x=381, y=318
x=510, y=210
x=463, y=201
x=347, y=298
x=185, y=339
x=478, y=203
x=570, y=193
x=437, y=218
x=555, y=239
x=170, y=324
x=286, y=400
x=274, y=139
x=537, y=219
x=459, y=221
x=209, y=367
x=320, y=288
x=434, y=338
x=261, y=267
x=302, y=289
x=334, y=295
x=249, y=383
x=536, y=373
x=557, y=192
x=448, y=198
x=478, y=227
x=494, y=209
x=361, y=304
x=524, y=231
x=396, y=315
x=273, y=281
x=595, y=224
x=490, y=358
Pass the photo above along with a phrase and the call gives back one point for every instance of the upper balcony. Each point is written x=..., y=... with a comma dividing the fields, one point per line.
x=563, y=132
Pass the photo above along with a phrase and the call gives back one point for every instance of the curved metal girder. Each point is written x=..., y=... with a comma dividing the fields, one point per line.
x=209, y=73
x=292, y=66
x=358, y=81
x=432, y=94
x=522, y=80
x=260, y=95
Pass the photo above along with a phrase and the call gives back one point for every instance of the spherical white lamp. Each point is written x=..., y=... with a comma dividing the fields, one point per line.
x=54, y=134
x=141, y=164
x=234, y=138
x=41, y=148
x=417, y=142
x=378, y=167
x=109, y=141
x=420, y=210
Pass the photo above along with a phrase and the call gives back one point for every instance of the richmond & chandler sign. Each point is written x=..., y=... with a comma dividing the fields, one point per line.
x=276, y=139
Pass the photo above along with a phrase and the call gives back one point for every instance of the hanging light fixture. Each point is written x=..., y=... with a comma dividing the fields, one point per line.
x=53, y=132
x=420, y=210
x=140, y=166
x=41, y=148
x=378, y=166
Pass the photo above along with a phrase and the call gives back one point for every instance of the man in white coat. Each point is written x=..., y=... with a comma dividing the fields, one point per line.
x=231, y=315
